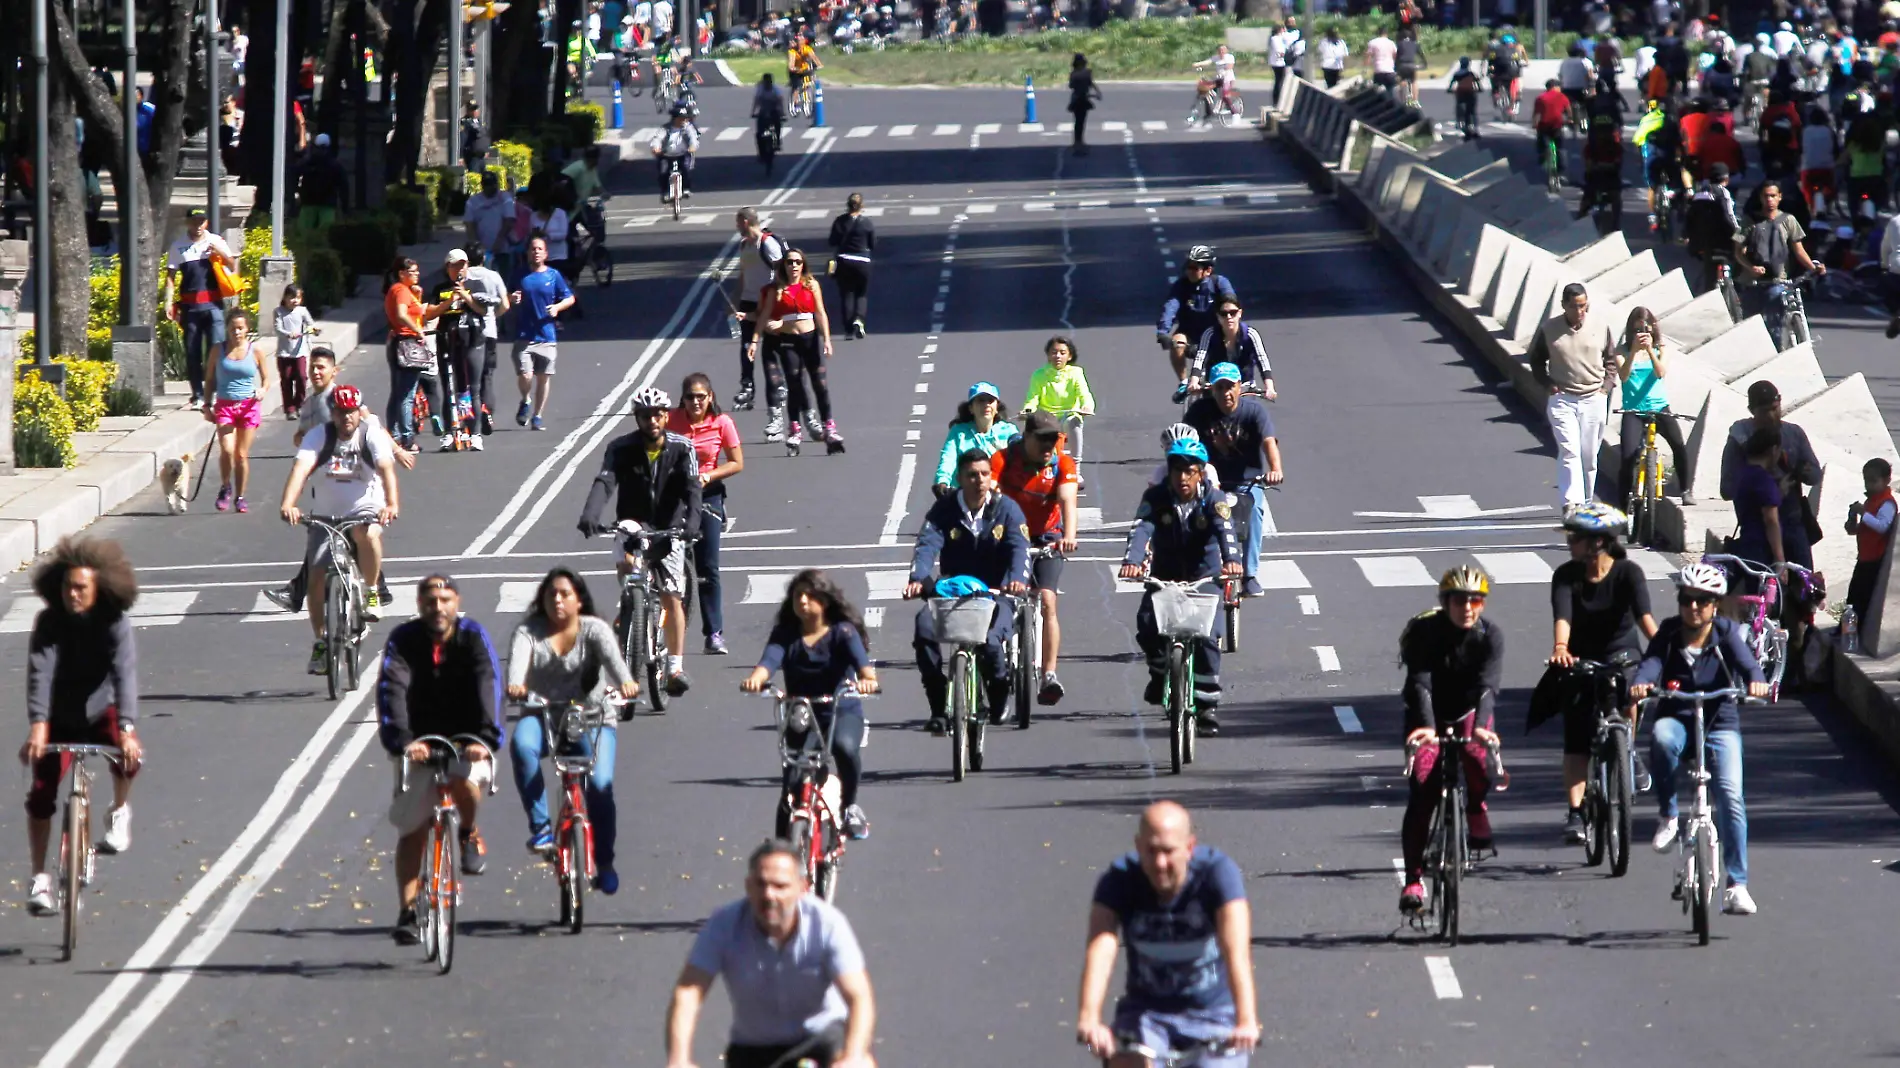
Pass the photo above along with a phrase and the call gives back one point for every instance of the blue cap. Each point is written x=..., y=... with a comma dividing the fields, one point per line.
x=1188, y=449
x=985, y=389
x=1224, y=372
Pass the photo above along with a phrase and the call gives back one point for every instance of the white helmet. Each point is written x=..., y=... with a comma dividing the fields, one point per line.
x=651, y=397
x=1703, y=578
x=1179, y=432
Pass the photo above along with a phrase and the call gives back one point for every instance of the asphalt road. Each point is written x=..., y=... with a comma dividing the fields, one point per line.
x=249, y=920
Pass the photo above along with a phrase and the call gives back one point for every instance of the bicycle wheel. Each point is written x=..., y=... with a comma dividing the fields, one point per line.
x=827, y=882
x=74, y=844
x=1454, y=864
x=653, y=637
x=335, y=619
x=1179, y=708
x=351, y=655
x=802, y=846
x=576, y=875
x=1702, y=887
x=1230, y=611
x=960, y=689
x=447, y=876
x=1595, y=812
x=1236, y=112
x=1619, y=803
x=979, y=723
x=633, y=633
x=425, y=897
x=1731, y=298
x=1191, y=732
x=689, y=589
x=673, y=191
x=1798, y=329
x=1774, y=662
x=1028, y=666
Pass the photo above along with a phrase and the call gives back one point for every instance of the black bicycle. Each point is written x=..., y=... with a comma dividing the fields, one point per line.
x=1612, y=774
x=592, y=251
x=1448, y=849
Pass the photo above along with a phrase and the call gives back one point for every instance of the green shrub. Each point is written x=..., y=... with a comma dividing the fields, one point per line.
x=86, y=383
x=103, y=308
x=584, y=123
x=325, y=282
x=99, y=343
x=127, y=400
x=517, y=162
x=171, y=348
x=415, y=215
x=366, y=243
x=42, y=425
x=257, y=238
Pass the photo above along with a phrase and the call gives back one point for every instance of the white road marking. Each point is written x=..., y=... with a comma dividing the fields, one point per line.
x=812, y=213
x=1087, y=204
x=862, y=131
x=20, y=615
x=1029, y=127
x=1514, y=567
x=1113, y=126
x=645, y=220
x=1368, y=782
x=1653, y=563
x=1395, y=571
x=1263, y=198
x=162, y=609
x=263, y=611
x=980, y=209
x=1038, y=205
x=1209, y=202
x=874, y=617
x=767, y=588
x=900, y=499
x=1348, y=719
x=516, y=598
x=989, y=127
x=1142, y=202
x=917, y=409
x=1088, y=518
x=1444, y=980
x=1123, y=585
x=1065, y=127
x=886, y=585
x=927, y=367
x=814, y=133
x=1398, y=870
x=872, y=213
x=1328, y=658
x=923, y=387
x=698, y=218
x=1282, y=575
x=1309, y=605
x=913, y=435
x=645, y=133
x=731, y=133
x=1153, y=125
x=903, y=131
x=944, y=129
x=926, y=209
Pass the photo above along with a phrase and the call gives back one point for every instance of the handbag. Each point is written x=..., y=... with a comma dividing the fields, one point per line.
x=226, y=280
x=1809, y=522
x=412, y=353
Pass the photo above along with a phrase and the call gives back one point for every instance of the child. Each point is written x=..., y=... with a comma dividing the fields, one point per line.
x=1872, y=524
x=294, y=328
x=1061, y=388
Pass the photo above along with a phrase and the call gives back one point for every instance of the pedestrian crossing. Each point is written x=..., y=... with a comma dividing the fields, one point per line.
x=926, y=132
x=1235, y=196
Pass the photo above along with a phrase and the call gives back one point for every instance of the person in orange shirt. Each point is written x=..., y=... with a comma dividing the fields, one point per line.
x=1040, y=476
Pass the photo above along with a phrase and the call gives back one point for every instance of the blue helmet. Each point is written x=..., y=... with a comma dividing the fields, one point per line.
x=1188, y=449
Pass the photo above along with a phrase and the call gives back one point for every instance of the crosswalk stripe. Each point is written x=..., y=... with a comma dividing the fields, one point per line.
x=980, y=209
x=1029, y=127
x=926, y=209
x=645, y=133
x=1114, y=127
x=1653, y=563
x=1394, y=570
x=1065, y=127
x=1039, y=205
x=1085, y=205
x=886, y=585
x=874, y=617
x=19, y=617
x=1514, y=567
x=874, y=213
x=861, y=131
x=165, y=608
x=815, y=133
x=1263, y=198
x=1123, y=585
x=1282, y=575
x=946, y=128
x=1153, y=125
x=516, y=597
x=766, y=589
x=263, y=611
x=731, y=133
x=903, y=131
x=989, y=127
x=697, y=218
x=644, y=220
x=1088, y=518
x=813, y=213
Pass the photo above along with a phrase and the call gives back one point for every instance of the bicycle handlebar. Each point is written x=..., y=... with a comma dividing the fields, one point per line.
x=631, y=528
x=1699, y=697
x=454, y=746
x=1759, y=570
x=79, y=749
x=1650, y=417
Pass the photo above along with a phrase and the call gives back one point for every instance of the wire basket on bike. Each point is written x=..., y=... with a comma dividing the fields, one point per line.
x=1184, y=613
x=964, y=620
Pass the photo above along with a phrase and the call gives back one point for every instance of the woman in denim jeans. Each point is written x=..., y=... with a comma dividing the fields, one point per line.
x=1699, y=651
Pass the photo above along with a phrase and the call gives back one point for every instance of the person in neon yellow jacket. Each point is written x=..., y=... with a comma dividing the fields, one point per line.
x=1061, y=388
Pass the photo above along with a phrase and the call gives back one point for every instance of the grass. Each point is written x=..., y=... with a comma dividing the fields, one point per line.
x=1156, y=48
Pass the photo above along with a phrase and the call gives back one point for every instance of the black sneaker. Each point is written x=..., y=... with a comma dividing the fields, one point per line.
x=474, y=853
x=677, y=684
x=939, y=726
x=1207, y=724
x=1157, y=688
x=1643, y=781
x=1573, y=827
x=488, y=423
x=406, y=933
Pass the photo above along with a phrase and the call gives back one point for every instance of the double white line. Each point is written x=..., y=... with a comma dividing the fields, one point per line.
x=533, y=496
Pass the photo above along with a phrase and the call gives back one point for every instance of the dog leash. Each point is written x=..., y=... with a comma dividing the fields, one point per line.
x=210, y=447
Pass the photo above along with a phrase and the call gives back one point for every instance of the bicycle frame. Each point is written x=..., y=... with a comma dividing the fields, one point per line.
x=441, y=882
x=1611, y=771
x=568, y=724
x=1698, y=844
x=78, y=858
x=345, y=616
x=1178, y=692
x=1447, y=853
x=812, y=800
x=642, y=633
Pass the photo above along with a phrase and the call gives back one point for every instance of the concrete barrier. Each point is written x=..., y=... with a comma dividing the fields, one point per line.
x=1720, y=410
x=1697, y=322
x=1626, y=277
x=1738, y=350
x=1447, y=225
x=1487, y=256
x=1664, y=295
x=1509, y=281
x=54, y=511
x=1575, y=235
x=1796, y=373
x=1486, y=176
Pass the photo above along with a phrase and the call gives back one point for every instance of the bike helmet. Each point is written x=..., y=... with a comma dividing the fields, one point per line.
x=347, y=398
x=1178, y=432
x=651, y=398
x=1188, y=449
x=1703, y=578
x=1510, y=38
x=1466, y=579
x=1597, y=519
x=1201, y=256
x=682, y=110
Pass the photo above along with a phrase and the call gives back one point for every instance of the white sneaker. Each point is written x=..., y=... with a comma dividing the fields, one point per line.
x=1665, y=835
x=475, y=442
x=118, y=830
x=1736, y=902
x=447, y=444
x=39, y=900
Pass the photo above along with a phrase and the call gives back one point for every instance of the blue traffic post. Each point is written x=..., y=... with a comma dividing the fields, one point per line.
x=817, y=101
x=617, y=116
x=1029, y=98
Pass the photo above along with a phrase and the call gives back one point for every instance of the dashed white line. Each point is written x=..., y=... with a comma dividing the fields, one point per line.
x=1309, y=604
x=923, y=387
x=980, y=209
x=861, y=131
x=1328, y=658
x=731, y=133
x=945, y=129
x=1348, y=719
x=1368, y=782
x=1444, y=980
x=903, y=131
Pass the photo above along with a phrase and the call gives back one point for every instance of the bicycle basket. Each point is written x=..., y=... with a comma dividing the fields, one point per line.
x=1183, y=613
x=964, y=621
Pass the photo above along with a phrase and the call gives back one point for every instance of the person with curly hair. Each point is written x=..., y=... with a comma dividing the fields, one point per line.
x=81, y=688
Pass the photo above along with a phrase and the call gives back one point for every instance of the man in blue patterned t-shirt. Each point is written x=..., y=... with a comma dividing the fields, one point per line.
x=1182, y=910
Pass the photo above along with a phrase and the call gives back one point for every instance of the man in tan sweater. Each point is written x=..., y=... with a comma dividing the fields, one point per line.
x=1574, y=356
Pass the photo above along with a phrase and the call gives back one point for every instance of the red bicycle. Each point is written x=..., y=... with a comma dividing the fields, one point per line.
x=572, y=730
x=811, y=811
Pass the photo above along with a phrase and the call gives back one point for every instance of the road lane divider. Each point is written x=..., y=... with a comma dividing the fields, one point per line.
x=1444, y=979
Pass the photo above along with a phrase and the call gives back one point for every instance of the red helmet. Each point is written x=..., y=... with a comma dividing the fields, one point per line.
x=347, y=398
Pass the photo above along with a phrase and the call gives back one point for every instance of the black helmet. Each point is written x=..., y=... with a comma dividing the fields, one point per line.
x=1201, y=256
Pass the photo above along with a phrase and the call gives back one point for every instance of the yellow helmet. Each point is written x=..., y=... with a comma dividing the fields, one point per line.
x=1465, y=578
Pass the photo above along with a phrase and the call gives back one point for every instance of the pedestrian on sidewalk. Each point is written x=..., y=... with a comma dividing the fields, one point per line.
x=193, y=296
x=1284, y=50
x=1332, y=59
x=1871, y=523
x=852, y=239
x=543, y=296
x=1082, y=98
x=488, y=220
x=294, y=329
x=1573, y=356
x=236, y=384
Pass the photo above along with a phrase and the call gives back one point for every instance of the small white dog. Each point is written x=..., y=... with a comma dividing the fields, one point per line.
x=173, y=476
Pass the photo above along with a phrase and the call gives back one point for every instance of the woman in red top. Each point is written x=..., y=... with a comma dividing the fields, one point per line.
x=797, y=331
x=716, y=446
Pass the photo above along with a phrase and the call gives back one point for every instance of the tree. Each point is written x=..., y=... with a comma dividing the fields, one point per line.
x=66, y=193
x=426, y=31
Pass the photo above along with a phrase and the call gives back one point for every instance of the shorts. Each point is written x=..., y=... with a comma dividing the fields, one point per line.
x=316, y=546
x=821, y=1048
x=1046, y=572
x=1385, y=80
x=1664, y=174
x=42, y=797
x=1408, y=73
x=1168, y=1031
x=245, y=412
x=535, y=357
x=797, y=78
x=670, y=565
x=410, y=810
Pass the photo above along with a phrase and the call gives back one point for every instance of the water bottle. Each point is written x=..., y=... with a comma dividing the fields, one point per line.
x=1850, y=630
x=732, y=326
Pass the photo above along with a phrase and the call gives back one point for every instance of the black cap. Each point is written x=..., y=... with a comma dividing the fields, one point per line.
x=1762, y=394
x=195, y=213
x=432, y=581
x=1041, y=424
x=1718, y=170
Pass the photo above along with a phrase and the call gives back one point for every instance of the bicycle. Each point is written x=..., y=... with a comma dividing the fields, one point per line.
x=1211, y=104
x=801, y=100
x=78, y=857
x=812, y=808
x=1767, y=638
x=1698, y=845
x=666, y=87
x=574, y=725
x=345, y=611
x=1608, y=784
x=1025, y=645
x=593, y=252
x=441, y=880
x=675, y=183
x=1644, y=498
x=769, y=139
x=642, y=636
x=1502, y=102
x=1183, y=616
x=1724, y=269
x=1794, y=313
x=1231, y=586
x=1553, y=162
x=1188, y=1056
x=964, y=622
x=1447, y=850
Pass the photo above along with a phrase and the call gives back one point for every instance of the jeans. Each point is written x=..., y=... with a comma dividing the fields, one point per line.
x=400, y=415
x=990, y=663
x=1415, y=831
x=1576, y=422
x=1667, y=739
x=712, y=524
x=1255, y=502
x=1774, y=308
x=203, y=325
x=529, y=745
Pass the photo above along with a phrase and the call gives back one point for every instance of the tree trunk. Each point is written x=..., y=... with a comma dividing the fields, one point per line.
x=72, y=260
x=517, y=74
x=413, y=76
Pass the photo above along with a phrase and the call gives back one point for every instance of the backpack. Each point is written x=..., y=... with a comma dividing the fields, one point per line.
x=1707, y=223
x=1658, y=86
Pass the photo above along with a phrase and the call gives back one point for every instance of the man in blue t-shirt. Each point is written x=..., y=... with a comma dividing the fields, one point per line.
x=543, y=296
x=1239, y=437
x=1182, y=910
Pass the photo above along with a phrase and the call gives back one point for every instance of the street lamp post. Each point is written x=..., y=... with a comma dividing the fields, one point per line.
x=279, y=130
x=42, y=201
x=129, y=196
x=212, y=119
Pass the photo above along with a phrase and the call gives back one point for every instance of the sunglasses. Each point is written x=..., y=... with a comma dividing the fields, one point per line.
x=795, y=263
x=1466, y=598
x=1691, y=601
x=1230, y=313
x=698, y=396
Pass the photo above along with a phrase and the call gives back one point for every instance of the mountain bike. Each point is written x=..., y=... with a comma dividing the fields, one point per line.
x=1698, y=844
x=78, y=857
x=1645, y=495
x=666, y=88
x=1232, y=587
x=964, y=622
x=345, y=612
x=1767, y=638
x=1024, y=648
x=1183, y=617
x=572, y=732
x=1724, y=268
x=675, y=183
x=1608, y=782
x=1794, y=313
x=441, y=878
x=641, y=631
x=1447, y=849
x=811, y=810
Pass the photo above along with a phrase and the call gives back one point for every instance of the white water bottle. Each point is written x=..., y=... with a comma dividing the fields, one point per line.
x=1850, y=630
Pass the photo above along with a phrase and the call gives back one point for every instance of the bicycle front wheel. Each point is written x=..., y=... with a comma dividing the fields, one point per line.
x=335, y=620
x=1619, y=803
x=1454, y=865
x=1180, y=708
x=654, y=638
x=74, y=845
x=1595, y=814
x=444, y=889
x=1029, y=663
x=962, y=686
x=575, y=879
x=1702, y=887
x=826, y=884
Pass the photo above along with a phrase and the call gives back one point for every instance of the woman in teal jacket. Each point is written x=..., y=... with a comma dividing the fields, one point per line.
x=981, y=423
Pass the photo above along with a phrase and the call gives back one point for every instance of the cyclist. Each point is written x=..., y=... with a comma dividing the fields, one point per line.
x=1454, y=661
x=981, y=425
x=653, y=477
x=1698, y=651
x=1765, y=249
x=1233, y=340
x=1711, y=223
x=979, y=535
x=794, y=974
x=355, y=462
x=81, y=687
x=1221, y=66
x=563, y=651
x=1407, y=59
x=1040, y=476
x=1575, y=76
x=440, y=676
x=1238, y=434
x=1181, y=908
x=1599, y=602
x=1463, y=85
x=759, y=254
x=1210, y=478
x=1661, y=143
x=817, y=639
x=1188, y=311
x=1182, y=535
x=801, y=64
x=1547, y=120
x=768, y=110
x=678, y=140
x=1507, y=66
x=1602, y=168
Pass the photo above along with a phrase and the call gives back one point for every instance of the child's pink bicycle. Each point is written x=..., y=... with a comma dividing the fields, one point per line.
x=1767, y=638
